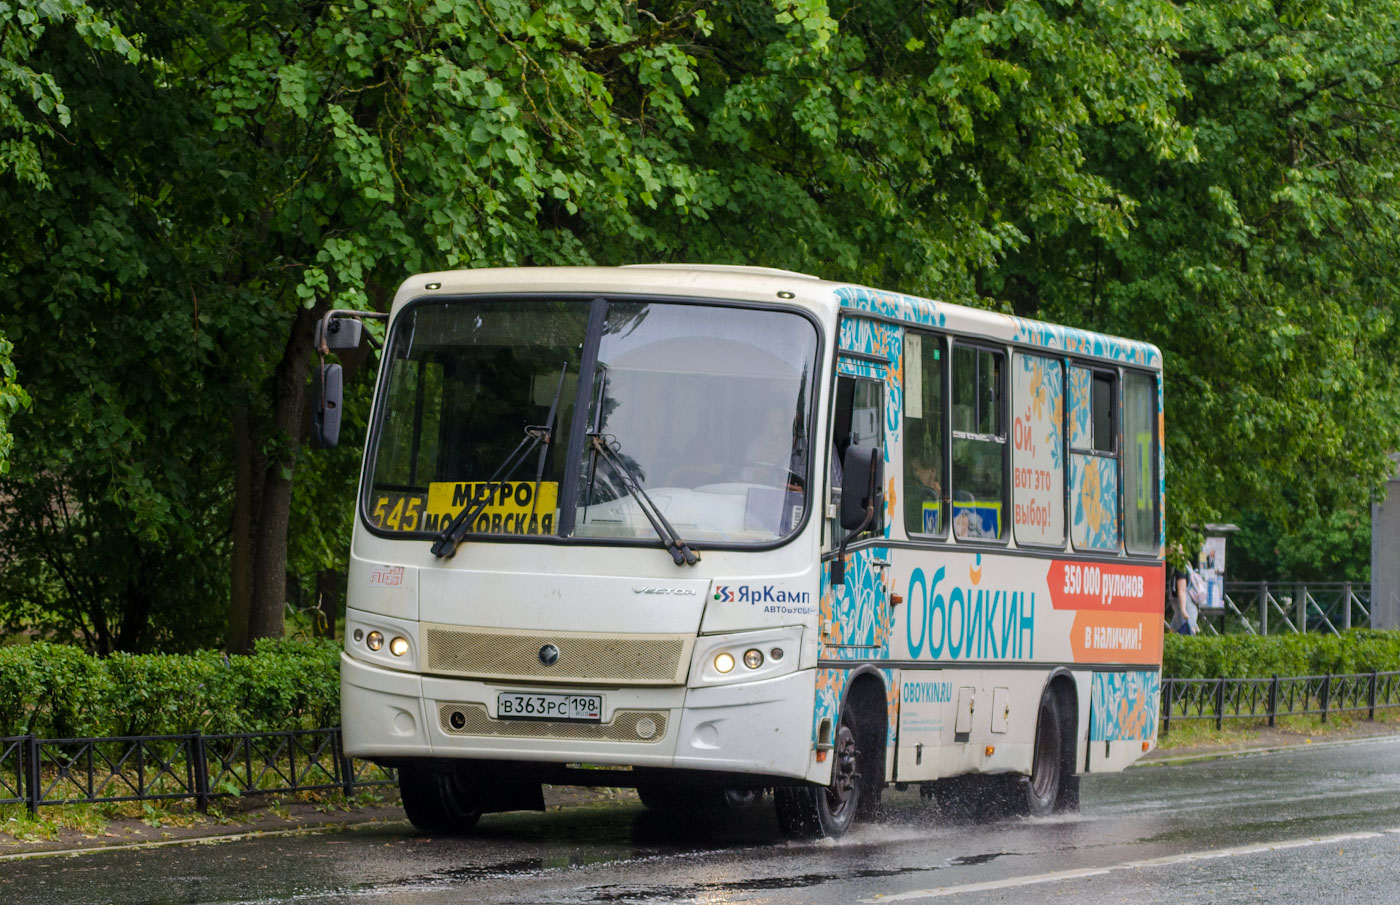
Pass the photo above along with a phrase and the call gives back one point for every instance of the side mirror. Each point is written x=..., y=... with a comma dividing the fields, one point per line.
x=861, y=482
x=862, y=478
x=329, y=393
x=342, y=334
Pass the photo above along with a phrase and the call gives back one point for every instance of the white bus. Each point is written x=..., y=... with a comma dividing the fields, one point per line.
x=720, y=531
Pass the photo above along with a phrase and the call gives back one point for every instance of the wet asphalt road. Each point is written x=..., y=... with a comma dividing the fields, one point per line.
x=1310, y=825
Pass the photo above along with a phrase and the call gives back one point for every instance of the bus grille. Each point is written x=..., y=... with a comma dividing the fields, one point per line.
x=626, y=725
x=585, y=659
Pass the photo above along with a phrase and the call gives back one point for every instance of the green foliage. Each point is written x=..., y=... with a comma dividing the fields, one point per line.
x=50, y=688
x=12, y=399
x=287, y=684
x=1216, y=178
x=57, y=691
x=1334, y=545
x=32, y=101
x=113, y=517
x=1255, y=656
x=1263, y=265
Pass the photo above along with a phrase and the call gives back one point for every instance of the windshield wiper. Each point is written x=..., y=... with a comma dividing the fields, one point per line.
x=680, y=551
x=541, y=435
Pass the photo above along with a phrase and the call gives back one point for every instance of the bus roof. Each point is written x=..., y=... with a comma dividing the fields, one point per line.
x=823, y=298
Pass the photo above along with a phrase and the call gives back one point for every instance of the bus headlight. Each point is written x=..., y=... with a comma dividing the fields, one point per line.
x=383, y=640
x=764, y=654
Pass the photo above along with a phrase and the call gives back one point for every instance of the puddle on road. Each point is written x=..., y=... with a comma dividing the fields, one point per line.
x=622, y=837
x=703, y=891
x=700, y=890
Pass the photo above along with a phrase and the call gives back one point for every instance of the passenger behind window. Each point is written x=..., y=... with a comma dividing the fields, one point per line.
x=968, y=520
x=775, y=459
x=925, y=494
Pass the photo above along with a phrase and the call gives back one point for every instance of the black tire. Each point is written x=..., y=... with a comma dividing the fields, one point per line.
x=439, y=802
x=739, y=799
x=1050, y=785
x=813, y=812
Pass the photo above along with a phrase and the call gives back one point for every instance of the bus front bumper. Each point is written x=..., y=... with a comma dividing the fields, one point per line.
x=762, y=727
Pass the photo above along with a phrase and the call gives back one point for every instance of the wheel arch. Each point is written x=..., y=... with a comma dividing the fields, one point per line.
x=867, y=692
x=1075, y=712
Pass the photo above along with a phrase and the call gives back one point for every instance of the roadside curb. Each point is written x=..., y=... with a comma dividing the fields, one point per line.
x=209, y=839
x=1228, y=753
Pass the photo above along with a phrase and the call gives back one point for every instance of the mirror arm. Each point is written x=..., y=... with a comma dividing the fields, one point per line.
x=332, y=314
x=838, y=565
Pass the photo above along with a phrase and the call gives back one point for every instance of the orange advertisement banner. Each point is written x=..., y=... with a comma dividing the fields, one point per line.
x=1107, y=587
x=1117, y=638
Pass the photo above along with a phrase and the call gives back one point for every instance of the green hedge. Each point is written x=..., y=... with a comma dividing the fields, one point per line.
x=1253, y=656
x=58, y=691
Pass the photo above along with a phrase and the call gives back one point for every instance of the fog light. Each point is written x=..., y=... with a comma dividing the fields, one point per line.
x=375, y=641
x=646, y=727
x=457, y=719
x=724, y=662
x=398, y=646
x=753, y=658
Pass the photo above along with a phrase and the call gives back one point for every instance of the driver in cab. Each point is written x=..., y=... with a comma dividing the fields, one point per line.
x=774, y=459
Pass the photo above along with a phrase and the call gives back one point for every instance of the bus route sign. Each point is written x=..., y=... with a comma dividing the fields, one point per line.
x=512, y=507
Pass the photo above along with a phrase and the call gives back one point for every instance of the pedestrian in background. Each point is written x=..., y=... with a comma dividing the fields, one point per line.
x=1188, y=594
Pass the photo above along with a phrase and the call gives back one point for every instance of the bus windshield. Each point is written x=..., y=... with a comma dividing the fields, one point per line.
x=707, y=407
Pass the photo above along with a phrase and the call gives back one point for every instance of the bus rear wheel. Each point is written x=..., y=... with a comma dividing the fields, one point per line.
x=1052, y=785
x=812, y=812
x=439, y=802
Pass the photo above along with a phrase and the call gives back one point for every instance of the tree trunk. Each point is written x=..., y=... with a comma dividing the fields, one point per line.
x=245, y=494
x=263, y=495
x=136, y=611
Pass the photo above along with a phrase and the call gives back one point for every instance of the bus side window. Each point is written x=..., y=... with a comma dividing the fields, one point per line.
x=856, y=420
x=1140, y=485
x=979, y=443
x=925, y=474
x=1093, y=459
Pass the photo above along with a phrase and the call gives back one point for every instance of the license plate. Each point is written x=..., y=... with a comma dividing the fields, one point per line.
x=583, y=708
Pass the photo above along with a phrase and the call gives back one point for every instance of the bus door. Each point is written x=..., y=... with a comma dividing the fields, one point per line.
x=855, y=614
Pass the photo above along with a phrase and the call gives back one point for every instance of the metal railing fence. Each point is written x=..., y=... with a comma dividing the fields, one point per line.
x=1263, y=607
x=48, y=771
x=1227, y=699
x=44, y=771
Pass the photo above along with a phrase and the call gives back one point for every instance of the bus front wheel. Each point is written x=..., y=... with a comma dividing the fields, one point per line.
x=811, y=812
x=439, y=802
